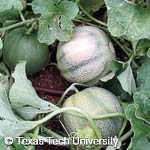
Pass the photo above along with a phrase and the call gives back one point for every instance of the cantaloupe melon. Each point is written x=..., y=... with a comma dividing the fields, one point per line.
x=94, y=101
x=21, y=46
x=86, y=57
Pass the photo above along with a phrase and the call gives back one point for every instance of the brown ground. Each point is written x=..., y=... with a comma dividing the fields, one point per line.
x=50, y=78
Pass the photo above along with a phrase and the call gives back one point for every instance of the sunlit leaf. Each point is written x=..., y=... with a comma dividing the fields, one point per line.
x=128, y=19
x=127, y=80
x=55, y=20
x=8, y=4
x=141, y=131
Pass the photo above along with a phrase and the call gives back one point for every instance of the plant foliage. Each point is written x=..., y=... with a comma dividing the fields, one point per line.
x=127, y=23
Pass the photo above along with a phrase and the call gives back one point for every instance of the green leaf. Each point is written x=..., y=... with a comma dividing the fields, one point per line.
x=4, y=81
x=22, y=93
x=132, y=21
x=5, y=109
x=143, y=60
x=143, y=44
x=44, y=7
x=10, y=14
x=16, y=128
x=126, y=104
x=117, y=89
x=17, y=146
x=50, y=31
x=108, y=77
x=118, y=146
x=11, y=126
x=143, y=77
x=8, y=4
x=4, y=70
x=140, y=129
x=142, y=47
x=127, y=81
x=29, y=113
x=92, y=5
x=148, y=53
x=116, y=65
x=2, y=145
x=142, y=101
x=55, y=20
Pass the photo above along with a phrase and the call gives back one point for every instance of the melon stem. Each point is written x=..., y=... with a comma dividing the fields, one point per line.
x=126, y=52
x=29, y=4
x=21, y=16
x=16, y=25
x=36, y=133
x=126, y=136
x=102, y=117
x=83, y=18
x=91, y=17
x=51, y=133
x=111, y=115
x=123, y=127
x=90, y=24
x=53, y=64
x=71, y=88
x=74, y=109
x=31, y=28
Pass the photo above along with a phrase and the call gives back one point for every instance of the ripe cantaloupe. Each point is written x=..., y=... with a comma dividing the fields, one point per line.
x=94, y=101
x=86, y=57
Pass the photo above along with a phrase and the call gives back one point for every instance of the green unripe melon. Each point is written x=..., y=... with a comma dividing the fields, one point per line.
x=94, y=101
x=21, y=46
x=86, y=57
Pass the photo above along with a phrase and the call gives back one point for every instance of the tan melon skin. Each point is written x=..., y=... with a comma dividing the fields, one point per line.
x=94, y=101
x=85, y=58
